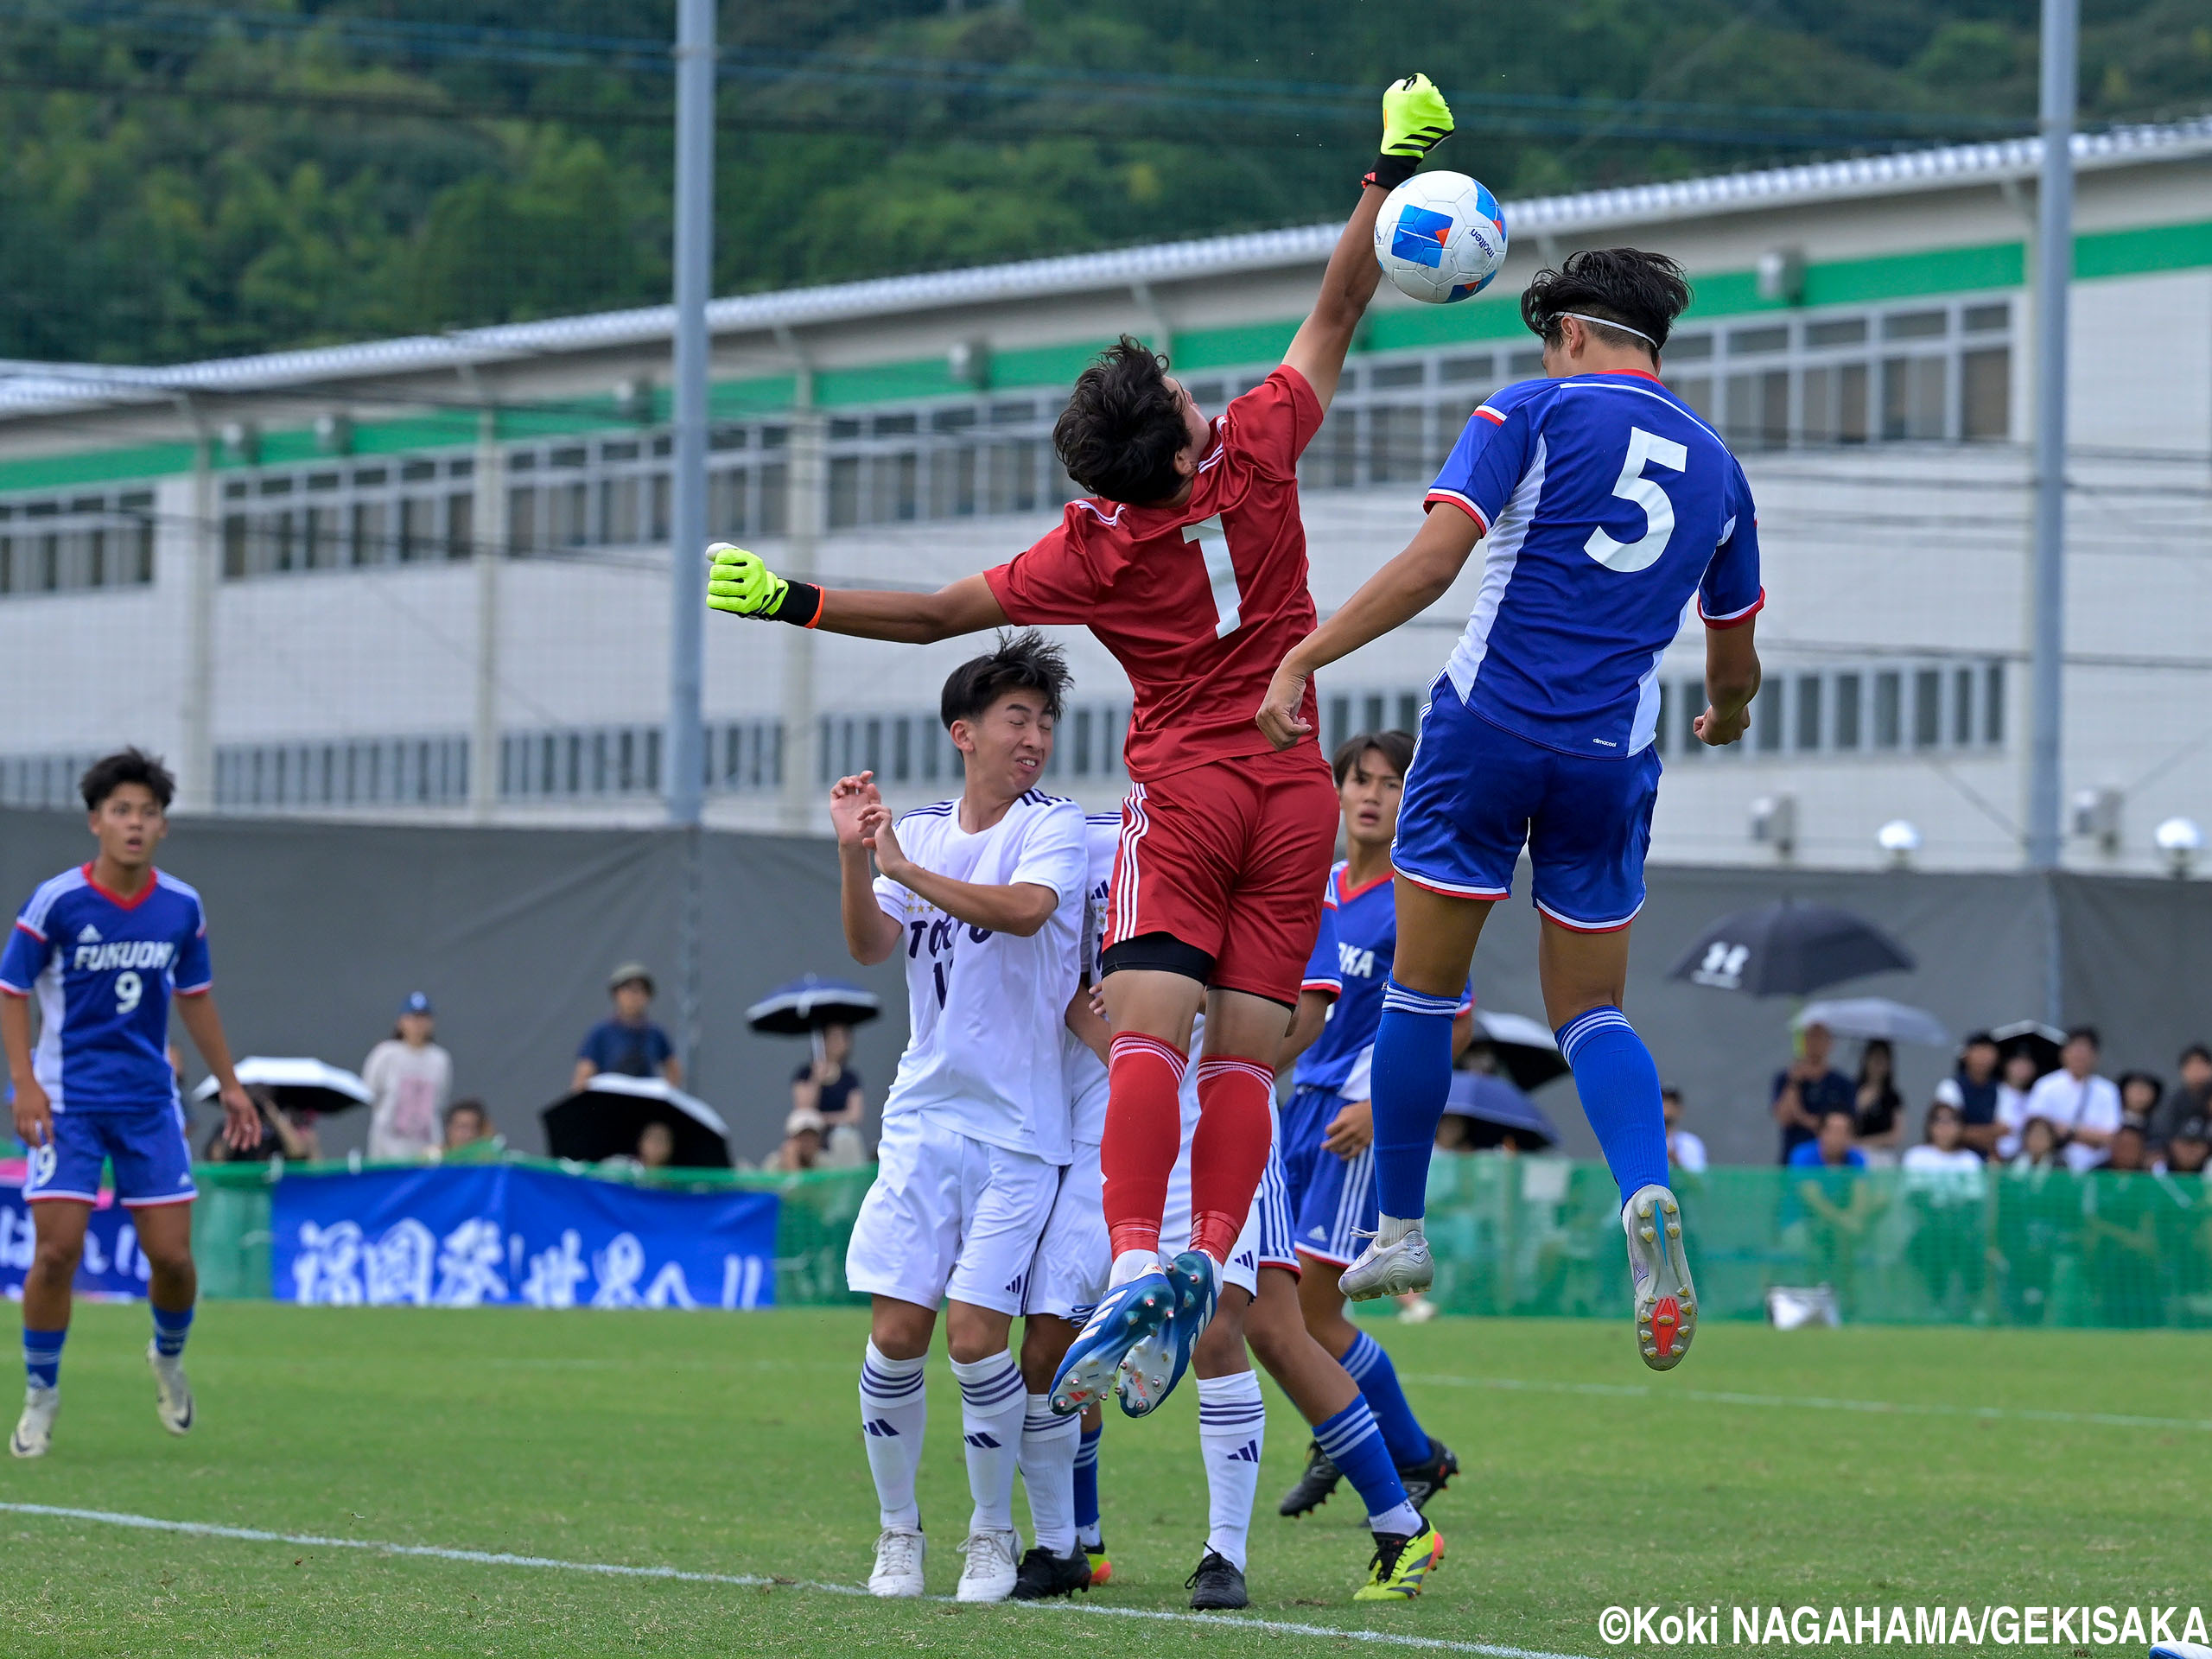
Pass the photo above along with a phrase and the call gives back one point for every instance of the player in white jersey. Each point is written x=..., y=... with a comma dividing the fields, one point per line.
x=984, y=896
x=1059, y=1455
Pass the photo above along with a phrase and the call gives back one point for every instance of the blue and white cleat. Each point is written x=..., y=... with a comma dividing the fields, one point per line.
x=1151, y=1369
x=1131, y=1313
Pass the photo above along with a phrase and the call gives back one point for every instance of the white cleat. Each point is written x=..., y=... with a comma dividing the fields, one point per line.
x=1666, y=1301
x=34, y=1429
x=1390, y=1269
x=171, y=1394
x=990, y=1571
x=898, y=1555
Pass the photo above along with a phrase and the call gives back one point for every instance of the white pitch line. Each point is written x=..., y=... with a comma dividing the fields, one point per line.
x=751, y=1580
x=1813, y=1402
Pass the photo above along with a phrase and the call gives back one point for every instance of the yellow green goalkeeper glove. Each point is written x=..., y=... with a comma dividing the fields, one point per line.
x=1415, y=120
x=738, y=582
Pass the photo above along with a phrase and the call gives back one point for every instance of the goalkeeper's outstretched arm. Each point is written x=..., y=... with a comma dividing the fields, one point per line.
x=1416, y=119
x=737, y=581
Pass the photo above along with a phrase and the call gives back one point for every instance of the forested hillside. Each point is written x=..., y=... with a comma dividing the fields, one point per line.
x=185, y=180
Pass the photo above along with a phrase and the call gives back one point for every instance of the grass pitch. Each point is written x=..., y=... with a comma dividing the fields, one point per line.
x=2009, y=1467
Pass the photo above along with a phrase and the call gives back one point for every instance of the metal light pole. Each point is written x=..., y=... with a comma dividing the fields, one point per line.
x=695, y=247
x=695, y=260
x=2054, y=272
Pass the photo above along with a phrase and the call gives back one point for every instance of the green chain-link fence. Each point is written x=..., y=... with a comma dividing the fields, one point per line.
x=1540, y=1236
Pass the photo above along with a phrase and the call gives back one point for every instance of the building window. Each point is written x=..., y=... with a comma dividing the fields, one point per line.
x=1889, y=715
x=1807, y=697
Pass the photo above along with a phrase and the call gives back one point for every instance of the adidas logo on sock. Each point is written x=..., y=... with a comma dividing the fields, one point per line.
x=880, y=1427
x=1248, y=1453
x=982, y=1442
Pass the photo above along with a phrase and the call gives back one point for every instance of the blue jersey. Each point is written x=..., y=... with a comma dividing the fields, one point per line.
x=1605, y=505
x=103, y=969
x=1353, y=957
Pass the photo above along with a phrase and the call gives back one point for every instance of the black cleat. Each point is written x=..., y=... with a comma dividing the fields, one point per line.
x=1218, y=1583
x=1043, y=1573
x=1425, y=1479
x=1315, y=1484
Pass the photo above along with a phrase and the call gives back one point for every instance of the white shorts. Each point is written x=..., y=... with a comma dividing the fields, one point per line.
x=950, y=1217
x=1265, y=1241
x=1074, y=1256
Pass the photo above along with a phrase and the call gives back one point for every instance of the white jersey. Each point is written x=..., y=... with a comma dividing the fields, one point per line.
x=987, y=1009
x=1086, y=1073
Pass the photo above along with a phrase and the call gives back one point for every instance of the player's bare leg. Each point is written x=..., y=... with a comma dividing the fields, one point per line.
x=1321, y=1303
x=1584, y=977
x=1436, y=937
x=173, y=1288
x=60, y=1227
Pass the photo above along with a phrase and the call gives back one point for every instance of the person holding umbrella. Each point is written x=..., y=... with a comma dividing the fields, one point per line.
x=828, y=1086
x=1808, y=1088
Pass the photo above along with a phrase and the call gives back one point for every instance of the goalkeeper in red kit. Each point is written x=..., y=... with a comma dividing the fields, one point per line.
x=1188, y=563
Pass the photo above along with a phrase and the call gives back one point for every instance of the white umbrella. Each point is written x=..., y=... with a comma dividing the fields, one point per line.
x=1874, y=1017
x=1526, y=1052
x=298, y=1083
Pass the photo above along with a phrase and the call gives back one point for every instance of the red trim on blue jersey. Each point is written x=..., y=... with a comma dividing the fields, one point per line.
x=1733, y=619
x=1460, y=502
x=1345, y=896
x=1450, y=892
x=1586, y=927
x=1490, y=415
x=1641, y=373
x=1334, y=987
x=153, y=881
x=29, y=929
x=200, y=989
x=6, y=990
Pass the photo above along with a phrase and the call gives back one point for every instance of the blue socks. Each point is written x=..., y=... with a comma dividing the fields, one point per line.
x=170, y=1329
x=43, y=1356
x=1086, y=1488
x=1412, y=1075
x=1619, y=1087
x=1369, y=1367
x=1354, y=1445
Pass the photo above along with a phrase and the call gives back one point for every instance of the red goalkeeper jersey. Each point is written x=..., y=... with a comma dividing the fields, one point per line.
x=1199, y=603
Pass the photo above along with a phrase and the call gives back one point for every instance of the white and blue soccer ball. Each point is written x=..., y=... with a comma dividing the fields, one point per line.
x=1440, y=237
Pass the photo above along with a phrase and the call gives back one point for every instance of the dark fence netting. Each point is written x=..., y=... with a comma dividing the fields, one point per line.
x=318, y=929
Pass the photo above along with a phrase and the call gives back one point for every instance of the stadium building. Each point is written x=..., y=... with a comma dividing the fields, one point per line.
x=427, y=578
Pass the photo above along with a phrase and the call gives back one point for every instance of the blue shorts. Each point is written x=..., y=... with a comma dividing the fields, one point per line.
x=153, y=1164
x=1477, y=793
x=1330, y=1197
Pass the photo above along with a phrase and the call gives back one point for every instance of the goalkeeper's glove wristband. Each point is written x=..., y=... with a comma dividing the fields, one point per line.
x=800, y=604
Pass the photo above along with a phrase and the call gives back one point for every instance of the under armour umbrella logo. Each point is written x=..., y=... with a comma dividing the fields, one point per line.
x=1723, y=967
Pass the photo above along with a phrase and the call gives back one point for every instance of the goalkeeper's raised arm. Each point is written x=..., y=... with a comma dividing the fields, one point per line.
x=1416, y=119
x=737, y=581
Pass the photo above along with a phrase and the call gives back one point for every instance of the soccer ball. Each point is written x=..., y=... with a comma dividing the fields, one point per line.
x=1440, y=236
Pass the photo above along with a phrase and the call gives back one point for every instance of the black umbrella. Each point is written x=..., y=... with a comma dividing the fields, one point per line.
x=605, y=1117
x=2039, y=1042
x=1495, y=1108
x=1526, y=1049
x=1787, y=949
x=809, y=1003
x=299, y=1084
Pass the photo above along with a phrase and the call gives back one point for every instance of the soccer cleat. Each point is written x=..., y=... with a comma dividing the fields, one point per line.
x=1140, y=1308
x=1390, y=1269
x=1314, y=1485
x=1102, y=1570
x=990, y=1572
x=1218, y=1583
x=1043, y=1573
x=1155, y=1363
x=1401, y=1564
x=34, y=1429
x=171, y=1394
x=1666, y=1301
x=899, y=1552
x=1425, y=1479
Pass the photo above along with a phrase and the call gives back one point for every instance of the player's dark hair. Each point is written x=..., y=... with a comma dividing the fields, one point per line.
x=1123, y=423
x=2086, y=1034
x=1396, y=748
x=131, y=766
x=1020, y=662
x=2196, y=1051
x=1646, y=291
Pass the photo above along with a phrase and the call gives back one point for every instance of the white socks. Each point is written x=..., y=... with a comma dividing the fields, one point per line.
x=1132, y=1264
x=993, y=1403
x=894, y=1406
x=1390, y=1228
x=1232, y=1434
x=1047, y=1459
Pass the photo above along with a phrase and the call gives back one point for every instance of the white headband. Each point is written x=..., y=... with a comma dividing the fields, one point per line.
x=1607, y=322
